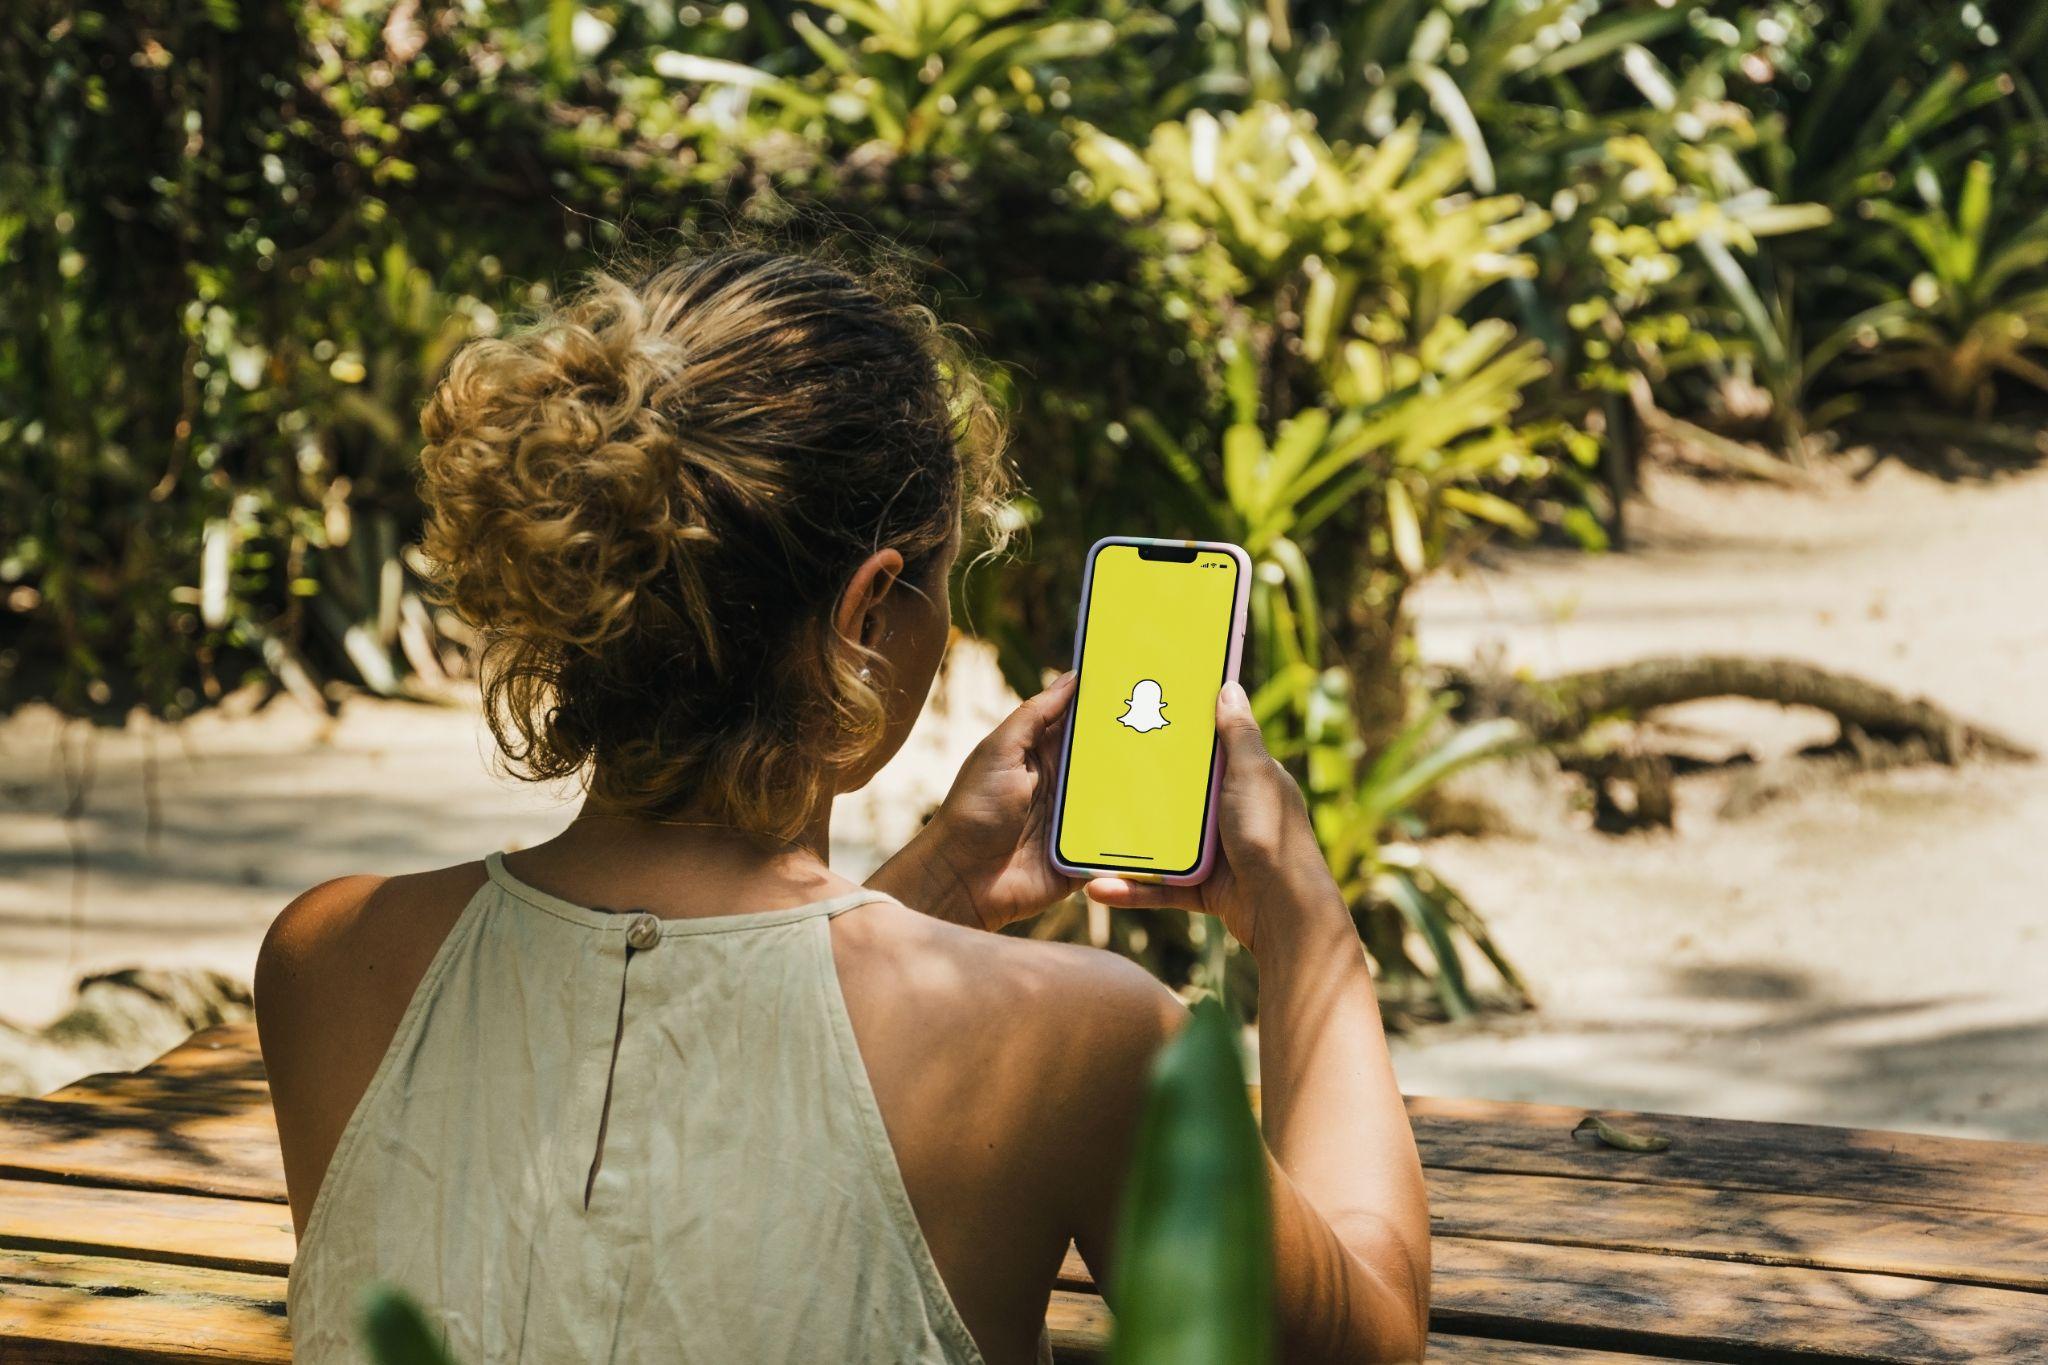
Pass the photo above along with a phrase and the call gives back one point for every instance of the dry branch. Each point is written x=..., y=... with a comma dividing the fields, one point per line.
x=1559, y=710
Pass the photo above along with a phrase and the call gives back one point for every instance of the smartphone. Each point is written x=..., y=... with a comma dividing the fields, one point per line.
x=1161, y=631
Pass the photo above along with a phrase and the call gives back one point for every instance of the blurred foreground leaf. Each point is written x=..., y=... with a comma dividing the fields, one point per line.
x=1194, y=1265
x=396, y=1331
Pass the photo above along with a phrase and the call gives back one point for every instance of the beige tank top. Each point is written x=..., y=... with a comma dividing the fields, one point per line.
x=611, y=1137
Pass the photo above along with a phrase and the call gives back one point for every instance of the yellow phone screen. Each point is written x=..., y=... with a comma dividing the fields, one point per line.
x=1156, y=640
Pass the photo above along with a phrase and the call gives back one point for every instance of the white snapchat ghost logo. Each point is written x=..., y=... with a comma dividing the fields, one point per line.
x=1141, y=712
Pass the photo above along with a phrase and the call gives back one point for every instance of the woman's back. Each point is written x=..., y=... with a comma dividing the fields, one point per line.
x=599, y=1135
x=611, y=1137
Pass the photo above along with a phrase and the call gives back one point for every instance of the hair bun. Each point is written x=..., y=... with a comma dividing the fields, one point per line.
x=646, y=501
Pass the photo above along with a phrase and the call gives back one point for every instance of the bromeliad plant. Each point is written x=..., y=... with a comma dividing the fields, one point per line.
x=1976, y=304
x=914, y=76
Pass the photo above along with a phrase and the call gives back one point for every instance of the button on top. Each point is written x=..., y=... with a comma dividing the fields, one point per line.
x=644, y=932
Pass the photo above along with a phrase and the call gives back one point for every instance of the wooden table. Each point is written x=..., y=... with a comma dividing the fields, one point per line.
x=142, y=1218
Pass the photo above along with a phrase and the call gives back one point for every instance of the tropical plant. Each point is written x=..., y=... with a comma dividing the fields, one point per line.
x=1975, y=306
x=1858, y=108
x=915, y=76
x=1366, y=806
x=1368, y=426
x=1359, y=407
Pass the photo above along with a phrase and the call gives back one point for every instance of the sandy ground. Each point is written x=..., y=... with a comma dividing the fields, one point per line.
x=1872, y=952
x=253, y=810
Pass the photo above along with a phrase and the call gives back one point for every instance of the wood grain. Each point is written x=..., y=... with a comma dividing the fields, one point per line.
x=2007, y=1250
x=1724, y=1310
x=233, y=1155
x=60, y=1308
x=1079, y=1327
x=1785, y=1158
x=1534, y=1139
x=246, y=1235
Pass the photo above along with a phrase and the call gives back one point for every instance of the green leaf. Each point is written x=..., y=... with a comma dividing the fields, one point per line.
x=1434, y=926
x=1777, y=220
x=834, y=56
x=1244, y=450
x=1490, y=507
x=1449, y=103
x=1302, y=584
x=1973, y=212
x=1733, y=279
x=1193, y=1283
x=395, y=1332
x=688, y=66
x=1299, y=438
x=1319, y=315
x=1470, y=745
x=561, y=37
x=1642, y=27
x=1241, y=380
x=1404, y=527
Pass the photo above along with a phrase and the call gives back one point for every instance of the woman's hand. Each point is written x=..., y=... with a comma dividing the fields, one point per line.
x=982, y=859
x=1270, y=883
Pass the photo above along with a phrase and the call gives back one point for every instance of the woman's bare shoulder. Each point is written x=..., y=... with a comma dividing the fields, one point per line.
x=1033, y=978
x=359, y=934
x=1060, y=1025
x=333, y=978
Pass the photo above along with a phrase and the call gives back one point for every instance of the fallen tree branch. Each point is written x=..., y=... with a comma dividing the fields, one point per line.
x=1774, y=779
x=1559, y=710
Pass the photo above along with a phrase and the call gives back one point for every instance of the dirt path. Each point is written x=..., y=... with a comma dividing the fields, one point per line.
x=1873, y=952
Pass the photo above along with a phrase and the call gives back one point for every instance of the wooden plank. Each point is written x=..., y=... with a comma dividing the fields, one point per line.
x=1475, y=1135
x=1077, y=1311
x=1078, y=1325
x=1787, y=1158
x=243, y=1235
x=1480, y=1136
x=1482, y=1351
x=151, y=1090
x=229, y=1051
x=219, y=1068
x=1725, y=1310
x=230, y=1155
x=1589, y=1302
x=2008, y=1250
x=59, y=1308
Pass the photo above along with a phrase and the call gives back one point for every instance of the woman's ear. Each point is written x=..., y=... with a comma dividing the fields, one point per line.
x=859, y=614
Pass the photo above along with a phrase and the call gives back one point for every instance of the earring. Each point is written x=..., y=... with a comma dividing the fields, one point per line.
x=866, y=674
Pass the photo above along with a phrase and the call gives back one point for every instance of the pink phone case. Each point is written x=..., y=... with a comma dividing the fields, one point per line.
x=1238, y=610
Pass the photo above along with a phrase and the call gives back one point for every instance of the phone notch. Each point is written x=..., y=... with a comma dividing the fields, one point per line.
x=1172, y=554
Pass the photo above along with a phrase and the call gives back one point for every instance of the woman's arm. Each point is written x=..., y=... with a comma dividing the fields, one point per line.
x=1351, y=1222
x=981, y=861
x=1351, y=1218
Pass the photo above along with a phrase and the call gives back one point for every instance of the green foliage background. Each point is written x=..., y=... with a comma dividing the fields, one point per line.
x=1357, y=284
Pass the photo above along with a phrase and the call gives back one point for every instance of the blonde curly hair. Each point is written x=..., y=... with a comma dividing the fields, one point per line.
x=648, y=502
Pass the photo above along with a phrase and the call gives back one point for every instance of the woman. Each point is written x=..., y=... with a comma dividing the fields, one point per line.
x=666, y=1087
